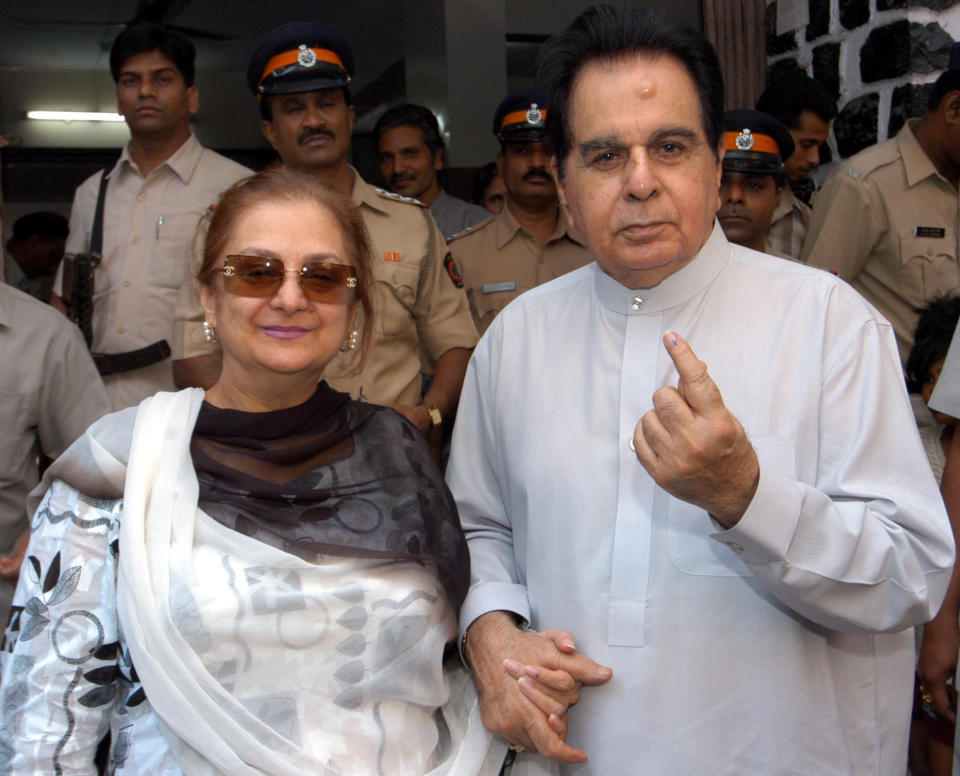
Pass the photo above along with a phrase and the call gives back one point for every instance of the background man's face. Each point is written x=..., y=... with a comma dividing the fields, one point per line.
x=310, y=130
x=525, y=169
x=747, y=202
x=407, y=165
x=642, y=181
x=152, y=96
x=807, y=137
x=495, y=195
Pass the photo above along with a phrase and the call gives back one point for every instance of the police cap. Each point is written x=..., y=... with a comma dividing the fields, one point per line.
x=300, y=57
x=521, y=116
x=755, y=142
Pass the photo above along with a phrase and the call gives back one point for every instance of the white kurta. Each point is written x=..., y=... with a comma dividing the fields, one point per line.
x=777, y=647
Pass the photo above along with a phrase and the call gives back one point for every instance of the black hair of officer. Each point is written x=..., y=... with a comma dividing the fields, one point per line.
x=755, y=143
x=605, y=32
x=788, y=93
x=484, y=175
x=949, y=80
x=931, y=339
x=141, y=38
x=521, y=117
x=409, y=115
x=43, y=224
x=302, y=57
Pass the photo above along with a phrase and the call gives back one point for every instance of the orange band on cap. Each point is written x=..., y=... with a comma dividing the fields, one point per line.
x=520, y=117
x=762, y=143
x=290, y=58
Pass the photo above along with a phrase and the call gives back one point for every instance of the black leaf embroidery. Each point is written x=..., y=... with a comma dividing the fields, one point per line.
x=107, y=651
x=53, y=574
x=34, y=568
x=67, y=584
x=102, y=675
x=98, y=696
x=136, y=698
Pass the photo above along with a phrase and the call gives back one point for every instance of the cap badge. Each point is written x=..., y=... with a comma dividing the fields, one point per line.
x=307, y=56
x=745, y=140
x=534, y=116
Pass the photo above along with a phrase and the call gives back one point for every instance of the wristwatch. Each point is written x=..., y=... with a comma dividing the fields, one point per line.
x=436, y=417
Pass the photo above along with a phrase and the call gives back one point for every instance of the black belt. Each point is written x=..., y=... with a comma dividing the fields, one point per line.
x=111, y=363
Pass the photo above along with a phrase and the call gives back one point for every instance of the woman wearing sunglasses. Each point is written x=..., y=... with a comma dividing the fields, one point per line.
x=262, y=579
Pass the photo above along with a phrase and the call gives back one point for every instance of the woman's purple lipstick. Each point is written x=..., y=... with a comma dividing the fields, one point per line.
x=285, y=332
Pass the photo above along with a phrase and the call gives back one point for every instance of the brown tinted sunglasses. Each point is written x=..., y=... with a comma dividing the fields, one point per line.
x=258, y=276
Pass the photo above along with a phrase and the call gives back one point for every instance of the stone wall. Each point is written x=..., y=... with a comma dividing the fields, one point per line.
x=877, y=57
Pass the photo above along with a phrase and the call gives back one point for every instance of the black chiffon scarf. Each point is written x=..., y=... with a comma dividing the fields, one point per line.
x=331, y=477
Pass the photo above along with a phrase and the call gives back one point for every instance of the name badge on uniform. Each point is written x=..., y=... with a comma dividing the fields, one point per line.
x=496, y=288
x=930, y=231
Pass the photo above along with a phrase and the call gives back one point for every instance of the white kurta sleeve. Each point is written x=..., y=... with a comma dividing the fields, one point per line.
x=60, y=657
x=473, y=478
x=867, y=547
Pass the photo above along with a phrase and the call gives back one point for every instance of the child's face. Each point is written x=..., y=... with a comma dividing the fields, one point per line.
x=927, y=390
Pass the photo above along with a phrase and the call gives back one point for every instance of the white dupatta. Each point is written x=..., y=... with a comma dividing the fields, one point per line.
x=258, y=662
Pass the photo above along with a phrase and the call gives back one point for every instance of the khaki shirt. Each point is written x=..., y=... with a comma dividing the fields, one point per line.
x=49, y=393
x=148, y=229
x=789, y=225
x=499, y=260
x=887, y=222
x=418, y=304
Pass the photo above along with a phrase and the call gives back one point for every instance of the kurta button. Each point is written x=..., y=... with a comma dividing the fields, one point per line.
x=631, y=445
x=142, y=198
x=735, y=547
x=636, y=303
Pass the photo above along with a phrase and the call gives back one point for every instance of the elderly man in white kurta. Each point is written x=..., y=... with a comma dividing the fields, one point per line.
x=745, y=548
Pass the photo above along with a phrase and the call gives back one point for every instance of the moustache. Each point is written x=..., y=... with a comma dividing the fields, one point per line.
x=308, y=132
x=400, y=177
x=536, y=172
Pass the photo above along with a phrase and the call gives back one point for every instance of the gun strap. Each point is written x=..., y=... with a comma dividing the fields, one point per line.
x=96, y=231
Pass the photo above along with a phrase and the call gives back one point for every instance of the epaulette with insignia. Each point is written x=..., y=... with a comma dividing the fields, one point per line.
x=470, y=229
x=853, y=172
x=398, y=197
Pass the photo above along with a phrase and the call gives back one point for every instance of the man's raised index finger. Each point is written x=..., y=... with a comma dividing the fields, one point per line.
x=698, y=389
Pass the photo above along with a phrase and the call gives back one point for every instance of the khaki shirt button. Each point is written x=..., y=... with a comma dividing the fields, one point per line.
x=737, y=548
x=127, y=284
x=135, y=240
x=142, y=198
x=120, y=330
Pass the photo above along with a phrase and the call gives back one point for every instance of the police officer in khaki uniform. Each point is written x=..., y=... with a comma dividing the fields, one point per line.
x=300, y=74
x=887, y=219
x=756, y=145
x=529, y=242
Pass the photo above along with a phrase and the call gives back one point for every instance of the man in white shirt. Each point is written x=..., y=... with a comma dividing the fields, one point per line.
x=744, y=548
x=157, y=192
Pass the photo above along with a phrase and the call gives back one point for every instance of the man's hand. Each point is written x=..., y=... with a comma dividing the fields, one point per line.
x=526, y=682
x=693, y=446
x=420, y=417
x=938, y=662
x=10, y=563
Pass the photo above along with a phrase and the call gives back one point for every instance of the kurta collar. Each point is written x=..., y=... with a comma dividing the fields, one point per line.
x=916, y=163
x=674, y=290
x=183, y=162
x=507, y=227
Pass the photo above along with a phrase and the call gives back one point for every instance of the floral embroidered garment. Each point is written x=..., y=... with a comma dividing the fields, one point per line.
x=222, y=644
